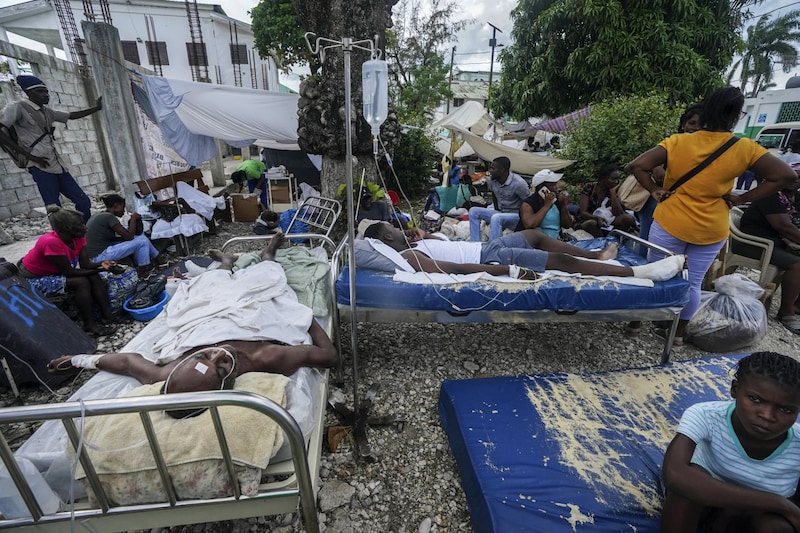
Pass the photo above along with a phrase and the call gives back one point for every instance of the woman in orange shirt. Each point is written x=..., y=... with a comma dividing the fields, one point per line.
x=693, y=219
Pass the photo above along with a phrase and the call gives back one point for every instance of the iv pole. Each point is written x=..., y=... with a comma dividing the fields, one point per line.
x=358, y=417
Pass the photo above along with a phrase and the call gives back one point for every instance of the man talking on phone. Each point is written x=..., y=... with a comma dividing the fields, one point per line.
x=545, y=209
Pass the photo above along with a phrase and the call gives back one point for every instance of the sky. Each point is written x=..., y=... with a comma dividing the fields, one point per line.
x=472, y=49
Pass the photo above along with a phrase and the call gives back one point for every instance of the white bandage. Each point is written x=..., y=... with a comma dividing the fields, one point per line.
x=513, y=271
x=83, y=360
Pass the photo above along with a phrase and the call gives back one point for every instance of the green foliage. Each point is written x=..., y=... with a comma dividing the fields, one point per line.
x=616, y=131
x=413, y=160
x=277, y=30
x=415, y=49
x=569, y=53
x=768, y=42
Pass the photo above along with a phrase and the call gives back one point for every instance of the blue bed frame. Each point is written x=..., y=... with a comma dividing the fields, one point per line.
x=380, y=299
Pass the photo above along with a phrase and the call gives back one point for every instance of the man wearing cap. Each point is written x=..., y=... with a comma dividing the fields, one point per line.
x=508, y=192
x=545, y=209
x=33, y=122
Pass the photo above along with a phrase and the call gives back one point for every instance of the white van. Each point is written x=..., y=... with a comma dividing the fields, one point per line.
x=778, y=137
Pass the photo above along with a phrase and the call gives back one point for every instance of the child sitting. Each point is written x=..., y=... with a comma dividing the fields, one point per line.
x=734, y=465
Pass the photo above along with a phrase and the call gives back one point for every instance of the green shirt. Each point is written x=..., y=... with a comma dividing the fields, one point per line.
x=253, y=168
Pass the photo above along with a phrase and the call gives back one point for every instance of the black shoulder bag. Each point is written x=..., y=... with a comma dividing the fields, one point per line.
x=699, y=168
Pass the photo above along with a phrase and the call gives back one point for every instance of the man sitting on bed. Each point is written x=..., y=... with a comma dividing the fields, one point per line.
x=207, y=359
x=518, y=255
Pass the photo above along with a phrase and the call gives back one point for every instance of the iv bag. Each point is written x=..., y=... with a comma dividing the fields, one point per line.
x=374, y=78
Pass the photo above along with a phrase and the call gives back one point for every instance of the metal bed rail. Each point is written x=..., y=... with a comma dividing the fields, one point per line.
x=172, y=512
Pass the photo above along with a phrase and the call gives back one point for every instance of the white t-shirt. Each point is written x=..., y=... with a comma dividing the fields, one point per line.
x=719, y=451
x=451, y=251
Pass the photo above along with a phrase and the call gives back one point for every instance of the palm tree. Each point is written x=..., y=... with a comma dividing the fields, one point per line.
x=768, y=42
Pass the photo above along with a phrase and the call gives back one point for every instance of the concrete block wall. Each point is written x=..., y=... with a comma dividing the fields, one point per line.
x=77, y=142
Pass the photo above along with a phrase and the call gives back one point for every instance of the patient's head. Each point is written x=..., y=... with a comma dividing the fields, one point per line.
x=212, y=368
x=388, y=234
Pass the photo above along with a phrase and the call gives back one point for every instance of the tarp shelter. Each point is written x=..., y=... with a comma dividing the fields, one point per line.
x=191, y=115
x=468, y=125
x=559, y=124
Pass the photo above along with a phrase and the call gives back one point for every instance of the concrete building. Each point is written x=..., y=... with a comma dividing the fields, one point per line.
x=769, y=107
x=178, y=40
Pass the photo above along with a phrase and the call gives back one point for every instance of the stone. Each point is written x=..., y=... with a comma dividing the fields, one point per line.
x=335, y=494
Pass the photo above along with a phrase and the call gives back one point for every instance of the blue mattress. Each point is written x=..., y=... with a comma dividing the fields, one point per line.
x=567, y=452
x=375, y=289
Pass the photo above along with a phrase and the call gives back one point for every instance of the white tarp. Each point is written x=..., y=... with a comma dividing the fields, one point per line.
x=191, y=115
x=471, y=123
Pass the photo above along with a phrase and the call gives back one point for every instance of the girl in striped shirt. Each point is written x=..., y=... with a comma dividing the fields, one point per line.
x=734, y=465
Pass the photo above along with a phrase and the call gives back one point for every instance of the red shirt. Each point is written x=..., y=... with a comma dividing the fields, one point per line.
x=51, y=245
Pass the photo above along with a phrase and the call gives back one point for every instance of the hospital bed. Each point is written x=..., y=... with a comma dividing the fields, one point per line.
x=572, y=453
x=558, y=299
x=288, y=481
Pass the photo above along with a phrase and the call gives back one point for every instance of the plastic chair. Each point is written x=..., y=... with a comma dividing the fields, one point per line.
x=769, y=275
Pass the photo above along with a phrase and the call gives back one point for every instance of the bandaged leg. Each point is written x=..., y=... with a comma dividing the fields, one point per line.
x=662, y=270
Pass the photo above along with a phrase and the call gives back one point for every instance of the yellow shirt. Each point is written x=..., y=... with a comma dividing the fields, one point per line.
x=696, y=212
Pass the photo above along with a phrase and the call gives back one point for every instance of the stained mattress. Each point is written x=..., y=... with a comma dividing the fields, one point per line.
x=376, y=289
x=568, y=452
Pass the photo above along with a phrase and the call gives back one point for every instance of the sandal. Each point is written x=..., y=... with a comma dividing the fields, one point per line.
x=677, y=342
x=791, y=322
x=632, y=329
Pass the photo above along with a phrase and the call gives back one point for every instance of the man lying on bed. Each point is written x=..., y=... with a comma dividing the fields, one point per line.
x=207, y=320
x=518, y=255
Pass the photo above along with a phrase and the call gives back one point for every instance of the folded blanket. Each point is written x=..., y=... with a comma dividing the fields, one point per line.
x=117, y=443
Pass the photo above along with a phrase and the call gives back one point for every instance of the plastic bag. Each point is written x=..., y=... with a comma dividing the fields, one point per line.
x=731, y=318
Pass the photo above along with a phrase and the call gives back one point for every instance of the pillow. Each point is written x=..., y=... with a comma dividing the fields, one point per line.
x=367, y=257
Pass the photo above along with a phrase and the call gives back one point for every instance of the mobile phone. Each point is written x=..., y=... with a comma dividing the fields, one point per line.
x=544, y=191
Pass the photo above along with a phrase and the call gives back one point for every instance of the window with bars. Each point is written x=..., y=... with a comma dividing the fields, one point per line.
x=239, y=54
x=197, y=54
x=130, y=51
x=790, y=112
x=157, y=52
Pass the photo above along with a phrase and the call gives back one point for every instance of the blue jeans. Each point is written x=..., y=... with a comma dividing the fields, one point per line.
x=514, y=249
x=53, y=185
x=645, y=221
x=251, y=186
x=497, y=221
x=139, y=247
x=698, y=260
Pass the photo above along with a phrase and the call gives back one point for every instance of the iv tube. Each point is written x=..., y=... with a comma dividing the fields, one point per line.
x=374, y=78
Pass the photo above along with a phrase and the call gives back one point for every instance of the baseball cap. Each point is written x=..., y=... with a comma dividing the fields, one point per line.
x=545, y=176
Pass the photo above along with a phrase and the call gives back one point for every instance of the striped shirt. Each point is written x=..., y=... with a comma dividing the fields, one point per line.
x=719, y=451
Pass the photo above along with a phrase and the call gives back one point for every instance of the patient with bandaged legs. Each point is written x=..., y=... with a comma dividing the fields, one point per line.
x=215, y=360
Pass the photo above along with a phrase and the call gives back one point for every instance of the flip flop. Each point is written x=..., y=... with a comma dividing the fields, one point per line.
x=632, y=329
x=791, y=322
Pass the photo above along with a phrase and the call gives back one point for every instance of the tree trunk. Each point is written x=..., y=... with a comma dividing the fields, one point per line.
x=321, y=108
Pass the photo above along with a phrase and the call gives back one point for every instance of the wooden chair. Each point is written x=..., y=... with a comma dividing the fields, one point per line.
x=769, y=275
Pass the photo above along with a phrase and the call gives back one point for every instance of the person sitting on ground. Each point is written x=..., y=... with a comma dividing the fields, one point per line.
x=599, y=194
x=59, y=263
x=770, y=218
x=735, y=465
x=546, y=208
x=519, y=255
x=108, y=239
x=508, y=192
x=215, y=365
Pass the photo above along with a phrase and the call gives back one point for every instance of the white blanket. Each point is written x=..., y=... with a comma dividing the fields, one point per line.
x=255, y=303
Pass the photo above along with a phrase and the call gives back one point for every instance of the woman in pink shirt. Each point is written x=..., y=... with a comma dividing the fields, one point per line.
x=59, y=263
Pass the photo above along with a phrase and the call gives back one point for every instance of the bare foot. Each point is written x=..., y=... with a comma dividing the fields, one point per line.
x=609, y=252
x=227, y=260
x=268, y=253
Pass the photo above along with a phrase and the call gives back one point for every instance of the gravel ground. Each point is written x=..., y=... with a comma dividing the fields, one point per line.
x=415, y=486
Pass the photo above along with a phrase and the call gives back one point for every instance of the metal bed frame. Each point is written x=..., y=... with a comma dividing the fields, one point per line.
x=389, y=315
x=299, y=483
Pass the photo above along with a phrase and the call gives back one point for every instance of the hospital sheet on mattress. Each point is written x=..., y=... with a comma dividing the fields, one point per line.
x=567, y=452
x=47, y=447
x=376, y=289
